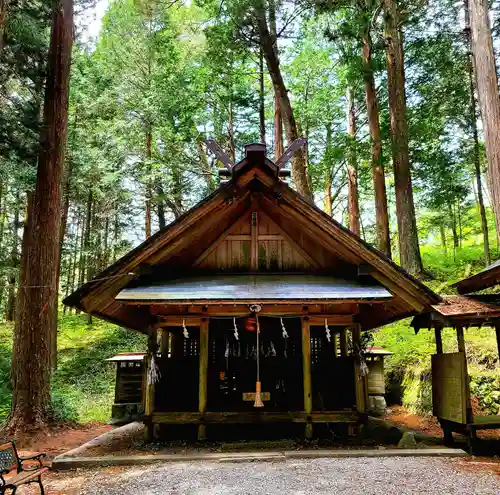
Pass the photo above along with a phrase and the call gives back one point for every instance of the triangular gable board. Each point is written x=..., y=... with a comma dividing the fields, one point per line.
x=274, y=249
x=253, y=223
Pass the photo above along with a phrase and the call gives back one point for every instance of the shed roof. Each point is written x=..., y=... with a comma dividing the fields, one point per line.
x=252, y=287
x=484, y=279
x=377, y=351
x=468, y=310
x=128, y=356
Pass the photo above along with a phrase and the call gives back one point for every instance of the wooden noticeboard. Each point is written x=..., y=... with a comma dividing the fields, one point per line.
x=450, y=387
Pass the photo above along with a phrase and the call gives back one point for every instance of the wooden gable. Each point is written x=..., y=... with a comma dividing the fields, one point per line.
x=254, y=223
x=255, y=243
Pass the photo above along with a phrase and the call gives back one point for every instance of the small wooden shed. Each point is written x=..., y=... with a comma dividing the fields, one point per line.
x=254, y=302
x=450, y=378
x=128, y=386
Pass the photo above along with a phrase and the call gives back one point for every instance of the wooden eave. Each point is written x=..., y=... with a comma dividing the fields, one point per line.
x=256, y=185
x=466, y=311
x=483, y=280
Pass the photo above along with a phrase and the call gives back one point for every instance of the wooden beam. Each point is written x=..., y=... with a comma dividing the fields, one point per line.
x=319, y=320
x=256, y=417
x=439, y=339
x=178, y=321
x=343, y=342
x=254, y=246
x=112, y=286
x=281, y=309
x=397, y=291
x=165, y=321
x=347, y=241
x=203, y=376
x=306, y=370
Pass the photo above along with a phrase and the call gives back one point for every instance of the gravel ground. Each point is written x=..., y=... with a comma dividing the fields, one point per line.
x=367, y=476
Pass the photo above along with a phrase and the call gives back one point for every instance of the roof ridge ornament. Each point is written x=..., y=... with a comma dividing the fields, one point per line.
x=255, y=148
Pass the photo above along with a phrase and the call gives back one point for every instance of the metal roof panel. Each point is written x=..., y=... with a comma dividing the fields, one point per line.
x=256, y=287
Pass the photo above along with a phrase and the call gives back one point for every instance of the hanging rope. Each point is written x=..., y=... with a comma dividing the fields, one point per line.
x=285, y=333
x=184, y=329
x=327, y=330
x=258, y=387
x=154, y=374
x=236, y=336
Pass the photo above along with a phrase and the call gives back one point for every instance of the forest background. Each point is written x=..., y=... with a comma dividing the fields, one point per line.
x=163, y=76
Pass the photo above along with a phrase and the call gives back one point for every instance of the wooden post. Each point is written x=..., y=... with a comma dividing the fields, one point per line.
x=497, y=330
x=254, y=243
x=438, y=338
x=149, y=395
x=164, y=342
x=461, y=348
x=460, y=338
x=203, y=379
x=306, y=370
x=343, y=342
x=359, y=381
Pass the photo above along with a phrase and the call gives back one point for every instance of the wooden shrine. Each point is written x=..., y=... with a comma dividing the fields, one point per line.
x=254, y=302
x=450, y=378
x=128, y=387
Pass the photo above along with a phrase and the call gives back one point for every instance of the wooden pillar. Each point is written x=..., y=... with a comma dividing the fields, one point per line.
x=460, y=338
x=164, y=342
x=461, y=348
x=149, y=388
x=497, y=330
x=203, y=378
x=359, y=381
x=343, y=342
x=254, y=242
x=438, y=338
x=306, y=370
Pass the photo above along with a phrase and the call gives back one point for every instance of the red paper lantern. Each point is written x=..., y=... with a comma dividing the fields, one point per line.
x=251, y=324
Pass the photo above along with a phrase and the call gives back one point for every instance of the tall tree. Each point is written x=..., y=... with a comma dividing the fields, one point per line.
x=475, y=137
x=409, y=251
x=381, y=211
x=299, y=165
x=487, y=89
x=36, y=321
x=352, y=166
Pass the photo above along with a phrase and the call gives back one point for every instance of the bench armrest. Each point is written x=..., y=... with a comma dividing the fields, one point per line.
x=37, y=457
x=2, y=480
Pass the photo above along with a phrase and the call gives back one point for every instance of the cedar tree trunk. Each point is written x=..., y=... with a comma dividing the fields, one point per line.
x=489, y=101
x=37, y=300
x=299, y=167
x=409, y=251
x=381, y=212
x=352, y=166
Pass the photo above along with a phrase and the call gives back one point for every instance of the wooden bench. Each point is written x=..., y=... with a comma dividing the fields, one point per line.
x=10, y=461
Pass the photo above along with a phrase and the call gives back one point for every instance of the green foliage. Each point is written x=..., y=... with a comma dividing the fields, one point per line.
x=83, y=384
x=410, y=364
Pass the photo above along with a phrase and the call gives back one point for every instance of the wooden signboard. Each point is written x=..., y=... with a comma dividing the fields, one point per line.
x=250, y=396
x=449, y=387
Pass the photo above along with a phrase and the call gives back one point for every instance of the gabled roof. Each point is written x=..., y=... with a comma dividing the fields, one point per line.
x=484, y=279
x=255, y=184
